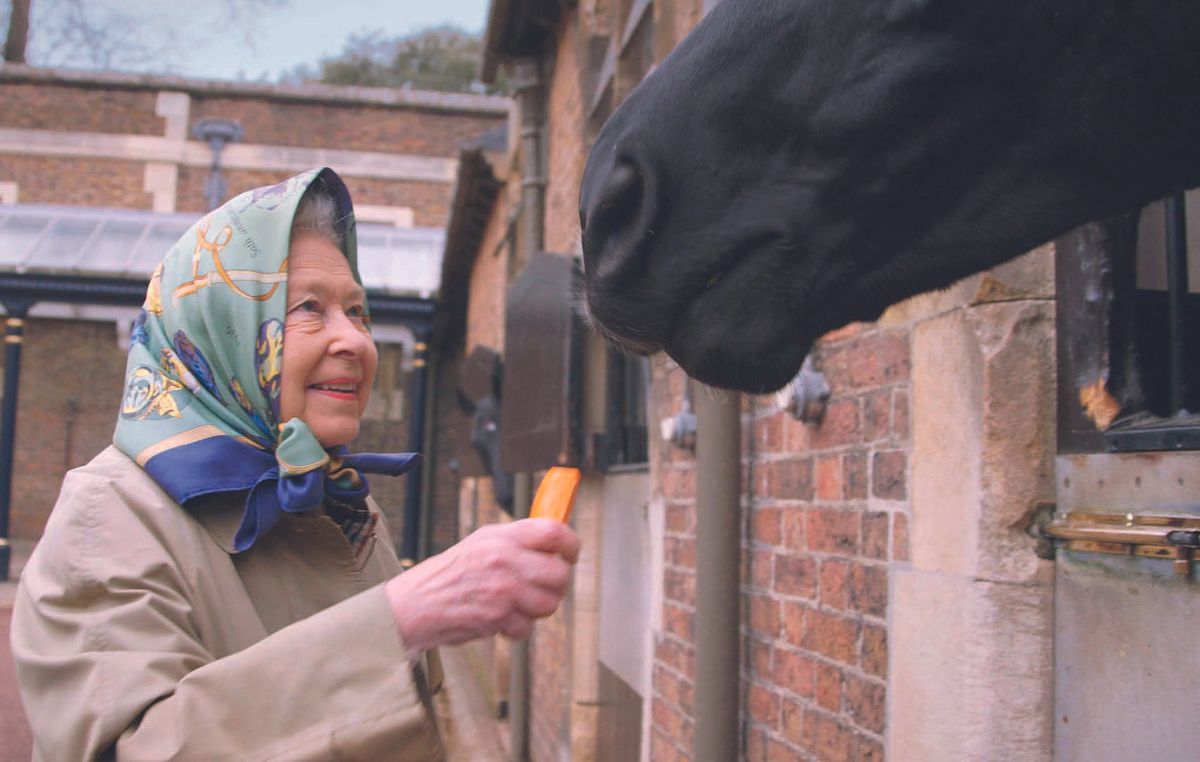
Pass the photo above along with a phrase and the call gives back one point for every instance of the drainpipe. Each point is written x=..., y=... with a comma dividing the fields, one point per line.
x=16, y=310
x=527, y=86
x=718, y=573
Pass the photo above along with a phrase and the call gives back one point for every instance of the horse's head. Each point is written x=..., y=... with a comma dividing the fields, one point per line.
x=795, y=165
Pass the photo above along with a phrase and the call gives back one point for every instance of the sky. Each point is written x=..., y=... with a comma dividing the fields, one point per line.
x=243, y=39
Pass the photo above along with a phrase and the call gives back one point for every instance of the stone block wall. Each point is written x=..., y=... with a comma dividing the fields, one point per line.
x=972, y=623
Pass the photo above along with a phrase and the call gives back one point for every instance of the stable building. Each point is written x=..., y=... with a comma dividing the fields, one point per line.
x=962, y=533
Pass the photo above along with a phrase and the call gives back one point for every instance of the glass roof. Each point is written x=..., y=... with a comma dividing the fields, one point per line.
x=129, y=243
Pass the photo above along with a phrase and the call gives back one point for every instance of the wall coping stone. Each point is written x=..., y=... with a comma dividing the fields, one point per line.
x=425, y=100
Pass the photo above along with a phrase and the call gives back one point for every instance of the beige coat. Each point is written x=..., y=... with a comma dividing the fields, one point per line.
x=137, y=633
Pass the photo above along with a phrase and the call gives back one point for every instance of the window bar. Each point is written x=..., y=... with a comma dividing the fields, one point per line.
x=1177, y=285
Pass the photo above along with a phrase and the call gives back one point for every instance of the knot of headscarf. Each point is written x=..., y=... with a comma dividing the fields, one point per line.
x=304, y=473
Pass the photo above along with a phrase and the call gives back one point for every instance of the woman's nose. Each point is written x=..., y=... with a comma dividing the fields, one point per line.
x=348, y=334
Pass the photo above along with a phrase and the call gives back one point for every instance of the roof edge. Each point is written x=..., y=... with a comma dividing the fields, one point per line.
x=377, y=96
x=516, y=29
x=475, y=192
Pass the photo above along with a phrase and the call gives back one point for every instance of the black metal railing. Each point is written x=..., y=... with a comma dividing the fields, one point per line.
x=1166, y=349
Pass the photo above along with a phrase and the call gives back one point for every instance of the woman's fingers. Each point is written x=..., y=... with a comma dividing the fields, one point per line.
x=499, y=579
x=543, y=570
x=517, y=627
x=548, y=536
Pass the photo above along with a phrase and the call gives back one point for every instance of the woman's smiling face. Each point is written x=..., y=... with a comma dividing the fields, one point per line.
x=329, y=359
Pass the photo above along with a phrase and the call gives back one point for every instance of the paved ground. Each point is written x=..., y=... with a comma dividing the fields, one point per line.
x=472, y=734
x=16, y=743
x=14, y=730
x=471, y=731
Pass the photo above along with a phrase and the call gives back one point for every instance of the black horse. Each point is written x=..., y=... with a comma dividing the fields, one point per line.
x=795, y=165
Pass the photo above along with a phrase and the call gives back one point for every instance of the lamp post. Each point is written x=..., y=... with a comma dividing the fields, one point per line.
x=217, y=133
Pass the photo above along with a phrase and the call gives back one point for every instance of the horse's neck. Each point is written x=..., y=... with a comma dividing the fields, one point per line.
x=1123, y=77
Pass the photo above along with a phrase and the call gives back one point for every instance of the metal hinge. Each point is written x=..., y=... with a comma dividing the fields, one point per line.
x=1171, y=538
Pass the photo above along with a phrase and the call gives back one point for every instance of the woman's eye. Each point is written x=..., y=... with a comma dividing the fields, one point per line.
x=308, y=305
x=356, y=311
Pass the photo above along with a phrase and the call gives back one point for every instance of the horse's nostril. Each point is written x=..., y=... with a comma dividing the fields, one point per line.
x=619, y=200
x=623, y=189
x=618, y=221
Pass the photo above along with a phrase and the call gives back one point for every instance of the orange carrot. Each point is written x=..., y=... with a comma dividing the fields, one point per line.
x=556, y=494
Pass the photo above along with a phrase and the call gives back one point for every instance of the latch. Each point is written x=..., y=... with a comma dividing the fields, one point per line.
x=1171, y=538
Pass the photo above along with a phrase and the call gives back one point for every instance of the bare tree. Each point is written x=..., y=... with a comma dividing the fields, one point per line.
x=18, y=31
x=110, y=34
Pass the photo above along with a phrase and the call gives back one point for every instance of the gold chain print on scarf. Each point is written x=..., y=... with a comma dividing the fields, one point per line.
x=221, y=275
x=153, y=303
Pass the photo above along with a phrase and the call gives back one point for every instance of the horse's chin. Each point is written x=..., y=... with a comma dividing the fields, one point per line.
x=746, y=354
x=730, y=368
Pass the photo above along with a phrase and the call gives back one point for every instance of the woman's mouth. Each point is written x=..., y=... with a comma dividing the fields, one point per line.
x=341, y=389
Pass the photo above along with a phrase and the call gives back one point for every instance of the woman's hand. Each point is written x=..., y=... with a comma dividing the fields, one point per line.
x=498, y=579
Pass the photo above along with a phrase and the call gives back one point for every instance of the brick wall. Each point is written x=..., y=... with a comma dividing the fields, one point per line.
x=67, y=403
x=484, y=326
x=364, y=128
x=348, y=119
x=826, y=510
x=63, y=424
x=45, y=106
x=265, y=118
x=550, y=659
x=429, y=200
x=76, y=181
x=489, y=286
x=671, y=691
x=567, y=149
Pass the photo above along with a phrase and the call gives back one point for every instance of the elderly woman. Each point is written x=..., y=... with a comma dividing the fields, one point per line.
x=217, y=584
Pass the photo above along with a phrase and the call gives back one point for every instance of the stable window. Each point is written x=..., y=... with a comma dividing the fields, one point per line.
x=628, y=382
x=1129, y=331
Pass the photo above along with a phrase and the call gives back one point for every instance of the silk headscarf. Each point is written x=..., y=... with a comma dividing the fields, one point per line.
x=200, y=409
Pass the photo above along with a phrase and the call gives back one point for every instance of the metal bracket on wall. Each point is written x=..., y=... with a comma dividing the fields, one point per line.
x=1171, y=538
x=806, y=396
